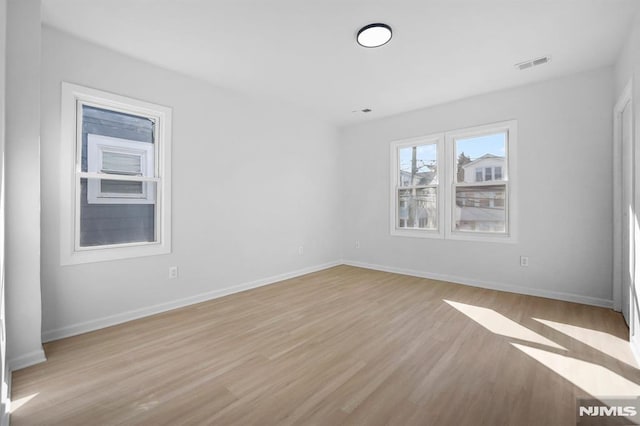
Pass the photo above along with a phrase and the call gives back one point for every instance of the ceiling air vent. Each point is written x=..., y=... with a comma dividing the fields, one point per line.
x=533, y=63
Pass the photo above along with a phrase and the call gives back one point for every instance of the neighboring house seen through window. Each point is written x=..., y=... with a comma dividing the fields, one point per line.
x=481, y=208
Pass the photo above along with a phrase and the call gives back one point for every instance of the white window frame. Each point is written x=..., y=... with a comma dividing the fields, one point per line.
x=73, y=97
x=438, y=141
x=447, y=170
x=96, y=146
x=509, y=173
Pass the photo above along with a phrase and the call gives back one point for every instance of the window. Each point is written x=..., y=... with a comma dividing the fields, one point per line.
x=487, y=173
x=416, y=192
x=497, y=173
x=116, y=188
x=122, y=157
x=470, y=192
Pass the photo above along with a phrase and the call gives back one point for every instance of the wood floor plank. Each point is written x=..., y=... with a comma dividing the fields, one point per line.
x=342, y=346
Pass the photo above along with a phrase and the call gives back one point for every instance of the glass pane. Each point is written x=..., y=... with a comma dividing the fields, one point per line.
x=121, y=163
x=114, y=124
x=121, y=187
x=480, y=208
x=125, y=213
x=481, y=158
x=418, y=165
x=417, y=208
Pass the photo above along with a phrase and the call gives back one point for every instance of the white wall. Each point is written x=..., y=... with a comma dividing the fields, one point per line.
x=628, y=58
x=22, y=162
x=564, y=184
x=252, y=181
x=4, y=385
x=627, y=69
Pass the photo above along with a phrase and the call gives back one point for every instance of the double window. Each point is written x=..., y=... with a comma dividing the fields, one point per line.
x=116, y=182
x=458, y=184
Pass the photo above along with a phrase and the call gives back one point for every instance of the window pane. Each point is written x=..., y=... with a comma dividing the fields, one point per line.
x=122, y=187
x=480, y=208
x=478, y=155
x=114, y=124
x=124, y=213
x=121, y=163
x=417, y=208
x=497, y=173
x=418, y=165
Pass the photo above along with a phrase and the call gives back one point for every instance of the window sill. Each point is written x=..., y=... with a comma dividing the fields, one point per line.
x=481, y=237
x=105, y=254
x=416, y=233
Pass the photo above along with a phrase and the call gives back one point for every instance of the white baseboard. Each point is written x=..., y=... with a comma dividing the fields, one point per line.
x=84, y=327
x=26, y=360
x=549, y=294
x=111, y=320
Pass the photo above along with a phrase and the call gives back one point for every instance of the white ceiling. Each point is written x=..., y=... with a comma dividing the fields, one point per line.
x=304, y=51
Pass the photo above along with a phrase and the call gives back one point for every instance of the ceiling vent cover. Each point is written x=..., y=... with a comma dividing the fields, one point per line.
x=533, y=63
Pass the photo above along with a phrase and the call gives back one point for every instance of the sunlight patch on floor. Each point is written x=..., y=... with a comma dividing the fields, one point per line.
x=604, y=342
x=592, y=378
x=499, y=324
x=17, y=403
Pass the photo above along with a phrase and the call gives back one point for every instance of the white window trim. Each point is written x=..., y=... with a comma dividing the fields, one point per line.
x=438, y=141
x=509, y=172
x=445, y=143
x=96, y=146
x=70, y=253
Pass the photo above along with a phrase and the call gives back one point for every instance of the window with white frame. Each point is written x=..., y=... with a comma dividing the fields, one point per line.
x=472, y=187
x=116, y=181
x=124, y=157
x=416, y=186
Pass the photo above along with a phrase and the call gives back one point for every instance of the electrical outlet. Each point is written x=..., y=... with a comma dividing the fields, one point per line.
x=173, y=272
x=301, y=250
x=357, y=244
x=524, y=261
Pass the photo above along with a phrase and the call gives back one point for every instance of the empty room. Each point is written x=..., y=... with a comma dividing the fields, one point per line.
x=244, y=212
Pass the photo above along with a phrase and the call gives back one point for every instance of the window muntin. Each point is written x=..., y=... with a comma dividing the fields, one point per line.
x=116, y=200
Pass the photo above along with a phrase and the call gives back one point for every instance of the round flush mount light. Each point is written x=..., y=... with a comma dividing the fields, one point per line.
x=374, y=35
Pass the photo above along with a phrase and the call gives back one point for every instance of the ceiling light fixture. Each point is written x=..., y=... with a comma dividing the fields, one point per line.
x=374, y=35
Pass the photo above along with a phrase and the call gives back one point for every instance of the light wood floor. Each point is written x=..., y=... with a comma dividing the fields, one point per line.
x=341, y=346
